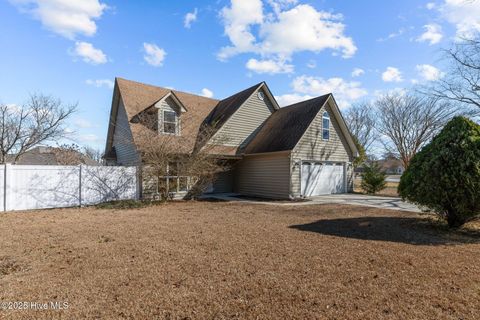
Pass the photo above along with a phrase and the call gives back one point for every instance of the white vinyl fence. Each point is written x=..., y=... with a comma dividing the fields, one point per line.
x=25, y=187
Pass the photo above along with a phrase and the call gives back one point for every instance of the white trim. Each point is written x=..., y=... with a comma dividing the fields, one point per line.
x=340, y=121
x=344, y=165
x=327, y=117
x=343, y=126
x=174, y=98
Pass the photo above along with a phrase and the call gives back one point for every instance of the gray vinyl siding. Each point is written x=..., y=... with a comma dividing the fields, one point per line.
x=123, y=139
x=312, y=147
x=264, y=176
x=223, y=182
x=245, y=122
x=167, y=105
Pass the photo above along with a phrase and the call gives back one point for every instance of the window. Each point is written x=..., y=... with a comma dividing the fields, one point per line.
x=326, y=126
x=169, y=122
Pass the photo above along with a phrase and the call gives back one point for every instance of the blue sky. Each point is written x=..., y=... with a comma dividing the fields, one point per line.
x=356, y=49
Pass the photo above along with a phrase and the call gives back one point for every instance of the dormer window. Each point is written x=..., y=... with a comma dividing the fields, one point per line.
x=170, y=122
x=326, y=126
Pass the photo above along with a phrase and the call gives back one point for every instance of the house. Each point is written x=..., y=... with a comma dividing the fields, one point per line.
x=301, y=150
x=45, y=155
x=391, y=165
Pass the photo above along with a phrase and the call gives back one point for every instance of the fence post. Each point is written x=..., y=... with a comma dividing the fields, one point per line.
x=80, y=185
x=5, y=187
x=139, y=182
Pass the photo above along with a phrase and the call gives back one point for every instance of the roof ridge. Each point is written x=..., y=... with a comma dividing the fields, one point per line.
x=296, y=104
x=244, y=90
x=165, y=88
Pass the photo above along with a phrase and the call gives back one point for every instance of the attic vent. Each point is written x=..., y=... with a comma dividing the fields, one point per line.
x=260, y=95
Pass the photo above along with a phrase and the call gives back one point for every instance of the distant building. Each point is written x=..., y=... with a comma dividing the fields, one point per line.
x=392, y=166
x=44, y=155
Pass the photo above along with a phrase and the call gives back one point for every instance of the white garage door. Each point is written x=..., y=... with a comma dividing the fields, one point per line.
x=322, y=178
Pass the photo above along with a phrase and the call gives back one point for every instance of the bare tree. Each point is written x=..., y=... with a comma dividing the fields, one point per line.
x=93, y=154
x=41, y=119
x=461, y=82
x=72, y=154
x=178, y=161
x=408, y=121
x=361, y=122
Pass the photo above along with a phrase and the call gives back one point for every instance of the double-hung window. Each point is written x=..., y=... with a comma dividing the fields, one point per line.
x=170, y=122
x=326, y=126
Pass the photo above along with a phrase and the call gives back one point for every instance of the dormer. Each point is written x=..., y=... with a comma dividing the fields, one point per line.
x=163, y=116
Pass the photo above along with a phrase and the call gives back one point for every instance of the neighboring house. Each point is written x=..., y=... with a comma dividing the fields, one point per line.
x=44, y=155
x=391, y=166
x=296, y=151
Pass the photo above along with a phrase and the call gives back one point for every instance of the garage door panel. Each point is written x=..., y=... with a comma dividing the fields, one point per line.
x=322, y=178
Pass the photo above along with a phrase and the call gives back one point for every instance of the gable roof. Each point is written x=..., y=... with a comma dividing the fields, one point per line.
x=284, y=128
x=138, y=97
x=228, y=106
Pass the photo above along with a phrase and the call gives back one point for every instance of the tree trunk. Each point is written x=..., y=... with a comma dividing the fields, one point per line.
x=454, y=220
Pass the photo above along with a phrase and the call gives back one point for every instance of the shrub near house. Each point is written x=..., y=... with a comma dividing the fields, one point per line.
x=445, y=175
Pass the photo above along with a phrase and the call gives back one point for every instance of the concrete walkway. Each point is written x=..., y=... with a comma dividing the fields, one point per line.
x=392, y=203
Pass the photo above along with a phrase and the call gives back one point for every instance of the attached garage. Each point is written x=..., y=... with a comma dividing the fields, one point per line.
x=319, y=178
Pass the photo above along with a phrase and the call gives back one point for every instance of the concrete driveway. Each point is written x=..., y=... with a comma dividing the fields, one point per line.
x=366, y=200
x=391, y=203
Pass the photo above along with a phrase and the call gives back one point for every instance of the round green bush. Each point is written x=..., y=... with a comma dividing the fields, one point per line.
x=445, y=175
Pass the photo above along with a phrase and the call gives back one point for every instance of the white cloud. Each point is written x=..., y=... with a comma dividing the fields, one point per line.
x=206, y=93
x=269, y=66
x=65, y=17
x=345, y=92
x=393, y=35
x=190, y=17
x=433, y=34
x=154, y=55
x=392, y=75
x=430, y=5
x=279, y=33
x=357, y=72
x=89, y=53
x=464, y=14
x=429, y=72
x=238, y=19
x=89, y=137
x=100, y=83
x=288, y=99
x=83, y=123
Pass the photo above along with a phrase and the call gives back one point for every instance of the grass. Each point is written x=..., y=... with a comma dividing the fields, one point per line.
x=217, y=260
x=127, y=204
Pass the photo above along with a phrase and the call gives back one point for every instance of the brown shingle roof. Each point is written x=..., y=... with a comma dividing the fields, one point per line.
x=43, y=155
x=138, y=96
x=284, y=128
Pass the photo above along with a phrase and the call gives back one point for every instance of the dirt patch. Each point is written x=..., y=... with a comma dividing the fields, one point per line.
x=9, y=265
x=207, y=260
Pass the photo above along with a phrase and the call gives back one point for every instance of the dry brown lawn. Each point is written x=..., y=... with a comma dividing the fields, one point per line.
x=391, y=188
x=206, y=260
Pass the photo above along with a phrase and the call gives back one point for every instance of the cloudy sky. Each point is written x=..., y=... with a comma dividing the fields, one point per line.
x=355, y=49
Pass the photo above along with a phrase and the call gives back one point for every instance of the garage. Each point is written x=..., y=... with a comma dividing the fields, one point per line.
x=319, y=178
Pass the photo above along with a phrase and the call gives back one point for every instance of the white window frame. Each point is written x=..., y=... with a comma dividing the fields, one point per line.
x=326, y=116
x=170, y=122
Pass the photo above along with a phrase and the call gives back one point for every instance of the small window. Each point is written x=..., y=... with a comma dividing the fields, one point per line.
x=169, y=122
x=326, y=126
x=260, y=95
